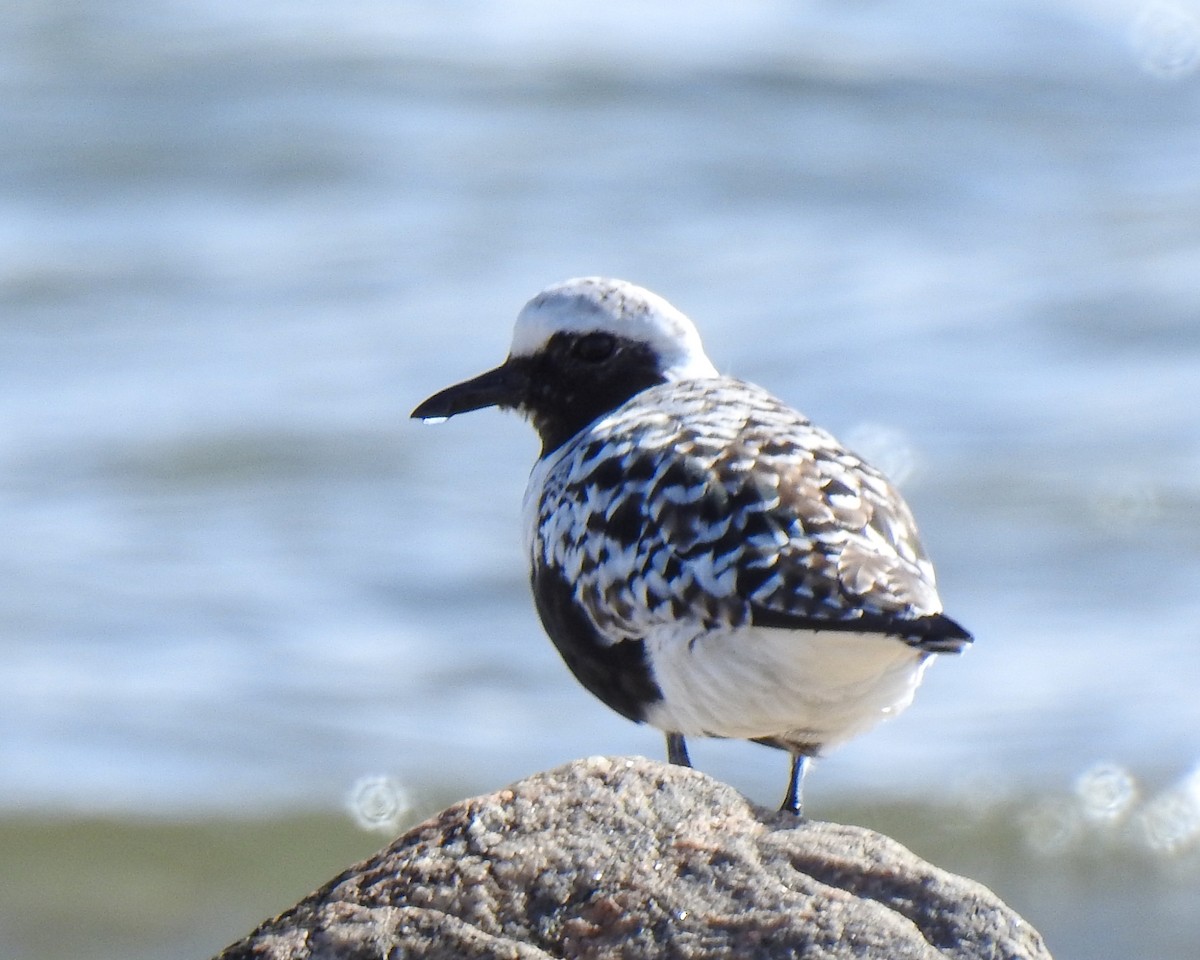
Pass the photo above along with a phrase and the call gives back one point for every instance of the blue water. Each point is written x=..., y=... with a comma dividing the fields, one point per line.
x=237, y=245
x=239, y=242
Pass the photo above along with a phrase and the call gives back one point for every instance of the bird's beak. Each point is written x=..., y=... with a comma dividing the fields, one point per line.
x=505, y=386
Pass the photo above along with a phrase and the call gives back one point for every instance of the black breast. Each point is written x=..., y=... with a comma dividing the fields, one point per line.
x=617, y=673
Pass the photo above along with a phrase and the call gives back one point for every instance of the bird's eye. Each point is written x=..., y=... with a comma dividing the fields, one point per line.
x=594, y=347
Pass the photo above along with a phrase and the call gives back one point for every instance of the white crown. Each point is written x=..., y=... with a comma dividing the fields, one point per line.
x=597, y=304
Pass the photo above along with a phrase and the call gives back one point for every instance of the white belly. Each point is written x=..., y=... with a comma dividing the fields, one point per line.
x=806, y=688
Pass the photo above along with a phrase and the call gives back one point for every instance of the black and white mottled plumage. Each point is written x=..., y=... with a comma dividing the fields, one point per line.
x=704, y=558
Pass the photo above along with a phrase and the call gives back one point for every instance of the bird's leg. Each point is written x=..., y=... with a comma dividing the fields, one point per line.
x=794, y=802
x=677, y=750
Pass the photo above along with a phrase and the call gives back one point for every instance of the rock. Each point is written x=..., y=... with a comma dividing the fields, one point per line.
x=630, y=858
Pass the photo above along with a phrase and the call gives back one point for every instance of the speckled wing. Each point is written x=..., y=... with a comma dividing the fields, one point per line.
x=710, y=502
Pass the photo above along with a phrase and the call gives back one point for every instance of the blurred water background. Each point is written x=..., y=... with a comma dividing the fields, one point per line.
x=238, y=242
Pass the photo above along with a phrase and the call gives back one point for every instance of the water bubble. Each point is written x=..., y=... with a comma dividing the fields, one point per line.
x=377, y=803
x=1052, y=827
x=1170, y=823
x=1106, y=792
x=1126, y=502
x=885, y=448
x=978, y=797
x=1166, y=39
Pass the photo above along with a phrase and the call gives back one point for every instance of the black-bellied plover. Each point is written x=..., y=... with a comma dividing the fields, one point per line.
x=704, y=558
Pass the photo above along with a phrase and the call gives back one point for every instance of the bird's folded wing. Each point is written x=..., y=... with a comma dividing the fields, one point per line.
x=747, y=515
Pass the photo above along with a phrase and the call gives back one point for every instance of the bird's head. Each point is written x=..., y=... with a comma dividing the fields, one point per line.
x=580, y=349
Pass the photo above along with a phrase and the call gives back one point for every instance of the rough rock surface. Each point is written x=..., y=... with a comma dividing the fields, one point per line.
x=626, y=857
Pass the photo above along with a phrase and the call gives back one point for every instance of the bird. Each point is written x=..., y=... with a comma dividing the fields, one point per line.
x=704, y=558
